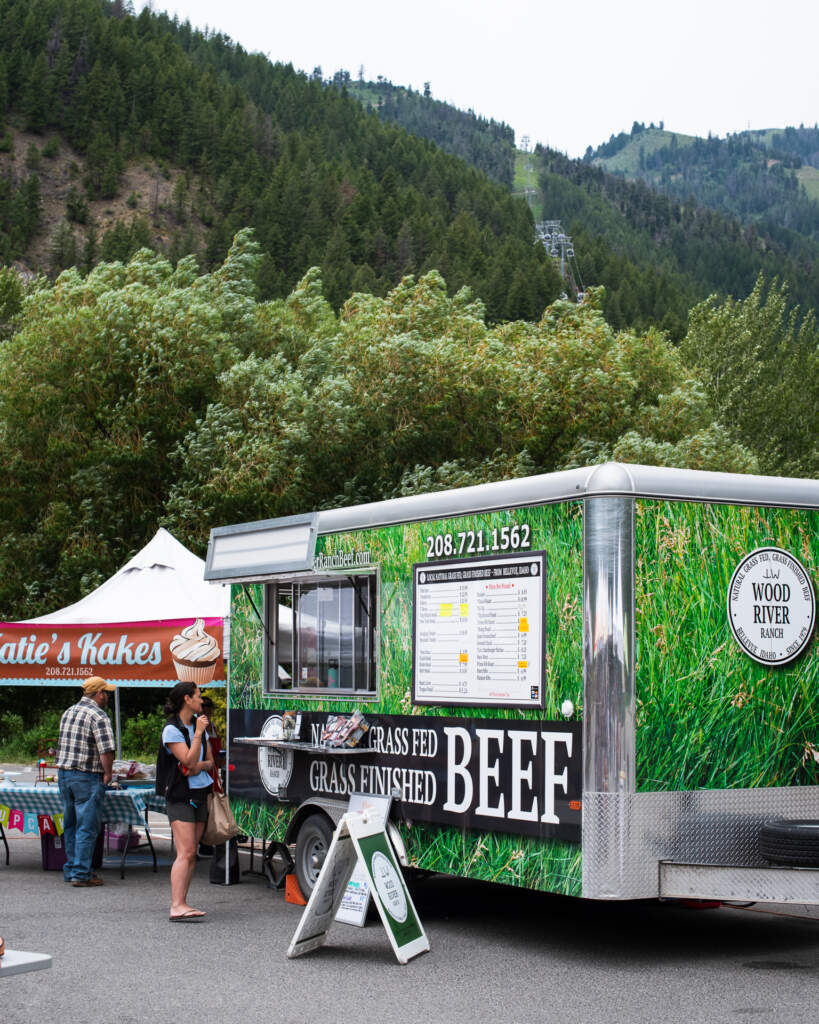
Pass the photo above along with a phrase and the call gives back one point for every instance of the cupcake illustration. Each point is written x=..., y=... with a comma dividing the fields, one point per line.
x=195, y=654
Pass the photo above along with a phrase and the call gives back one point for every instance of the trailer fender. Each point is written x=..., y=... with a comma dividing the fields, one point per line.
x=334, y=810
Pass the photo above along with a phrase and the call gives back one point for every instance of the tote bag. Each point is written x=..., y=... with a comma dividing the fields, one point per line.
x=221, y=824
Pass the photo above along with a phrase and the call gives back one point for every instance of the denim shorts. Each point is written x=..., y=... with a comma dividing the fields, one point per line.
x=193, y=810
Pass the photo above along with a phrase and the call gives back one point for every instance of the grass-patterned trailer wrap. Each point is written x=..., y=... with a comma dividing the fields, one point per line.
x=708, y=715
x=669, y=707
x=497, y=855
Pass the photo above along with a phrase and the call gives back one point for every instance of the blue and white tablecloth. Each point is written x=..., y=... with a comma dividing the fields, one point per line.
x=125, y=805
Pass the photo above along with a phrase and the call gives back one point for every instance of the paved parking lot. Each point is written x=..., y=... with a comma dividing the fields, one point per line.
x=496, y=953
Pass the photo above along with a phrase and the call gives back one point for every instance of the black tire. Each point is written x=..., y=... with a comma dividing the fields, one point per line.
x=790, y=842
x=312, y=843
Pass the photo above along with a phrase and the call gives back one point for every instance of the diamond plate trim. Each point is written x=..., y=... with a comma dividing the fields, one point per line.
x=762, y=885
x=626, y=835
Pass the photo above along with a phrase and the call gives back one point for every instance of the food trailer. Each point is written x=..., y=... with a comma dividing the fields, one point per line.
x=600, y=682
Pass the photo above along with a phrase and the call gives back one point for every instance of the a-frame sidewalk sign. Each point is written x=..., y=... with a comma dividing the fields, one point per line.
x=361, y=838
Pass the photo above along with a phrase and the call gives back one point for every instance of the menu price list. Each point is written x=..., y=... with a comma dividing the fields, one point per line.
x=479, y=631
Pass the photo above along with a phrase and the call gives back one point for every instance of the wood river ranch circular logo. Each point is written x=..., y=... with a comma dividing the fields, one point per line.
x=389, y=887
x=275, y=765
x=771, y=606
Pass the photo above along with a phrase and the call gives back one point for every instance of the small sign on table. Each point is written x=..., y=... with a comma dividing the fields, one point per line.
x=356, y=899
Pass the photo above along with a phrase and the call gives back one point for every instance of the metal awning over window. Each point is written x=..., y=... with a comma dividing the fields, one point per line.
x=252, y=551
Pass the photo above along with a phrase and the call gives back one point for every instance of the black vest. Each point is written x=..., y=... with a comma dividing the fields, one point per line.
x=170, y=781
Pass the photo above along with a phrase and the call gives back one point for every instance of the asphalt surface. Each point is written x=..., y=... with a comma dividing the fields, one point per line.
x=497, y=954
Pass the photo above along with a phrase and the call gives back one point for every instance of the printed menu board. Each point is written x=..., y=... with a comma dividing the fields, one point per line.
x=478, y=631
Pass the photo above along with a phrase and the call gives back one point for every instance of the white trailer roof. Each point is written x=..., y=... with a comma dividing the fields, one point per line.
x=244, y=550
x=611, y=478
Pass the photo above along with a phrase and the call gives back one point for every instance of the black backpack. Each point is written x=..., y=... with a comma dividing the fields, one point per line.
x=170, y=780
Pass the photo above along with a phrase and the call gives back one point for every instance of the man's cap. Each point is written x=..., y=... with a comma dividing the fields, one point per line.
x=95, y=684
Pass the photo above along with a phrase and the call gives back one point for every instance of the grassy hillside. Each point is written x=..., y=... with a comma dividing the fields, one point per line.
x=765, y=178
x=632, y=156
x=524, y=185
x=809, y=180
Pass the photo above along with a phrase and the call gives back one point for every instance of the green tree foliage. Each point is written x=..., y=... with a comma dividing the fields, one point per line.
x=145, y=393
x=63, y=247
x=12, y=291
x=122, y=240
x=760, y=368
x=104, y=377
x=76, y=206
x=415, y=392
x=20, y=215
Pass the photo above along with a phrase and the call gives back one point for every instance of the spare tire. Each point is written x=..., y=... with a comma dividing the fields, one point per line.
x=790, y=842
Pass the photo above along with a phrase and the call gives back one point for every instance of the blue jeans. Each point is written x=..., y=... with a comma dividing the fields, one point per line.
x=83, y=794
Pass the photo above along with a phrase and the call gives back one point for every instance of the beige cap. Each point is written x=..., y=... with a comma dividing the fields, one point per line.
x=95, y=684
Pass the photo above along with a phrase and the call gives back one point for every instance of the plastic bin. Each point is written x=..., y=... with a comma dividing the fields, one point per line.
x=122, y=838
x=53, y=852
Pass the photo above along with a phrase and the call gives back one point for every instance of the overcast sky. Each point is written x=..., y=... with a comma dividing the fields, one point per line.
x=566, y=74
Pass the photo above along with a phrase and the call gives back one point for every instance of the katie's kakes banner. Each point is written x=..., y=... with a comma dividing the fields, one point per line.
x=163, y=651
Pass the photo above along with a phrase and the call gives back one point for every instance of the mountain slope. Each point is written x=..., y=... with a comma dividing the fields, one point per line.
x=657, y=256
x=487, y=145
x=177, y=139
x=321, y=181
x=759, y=177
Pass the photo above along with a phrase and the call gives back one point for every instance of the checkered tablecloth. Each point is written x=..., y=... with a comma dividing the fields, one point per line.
x=126, y=806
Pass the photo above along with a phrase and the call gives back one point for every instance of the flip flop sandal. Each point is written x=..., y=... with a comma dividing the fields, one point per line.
x=186, y=918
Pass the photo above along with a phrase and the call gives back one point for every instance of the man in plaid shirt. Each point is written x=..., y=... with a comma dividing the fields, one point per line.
x=85, y=759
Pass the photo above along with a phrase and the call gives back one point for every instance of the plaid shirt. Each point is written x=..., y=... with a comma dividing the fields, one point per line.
x=85, y=733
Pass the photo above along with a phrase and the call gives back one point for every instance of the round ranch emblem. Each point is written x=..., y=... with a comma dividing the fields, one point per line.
x=389, y=887
x=275, y=765
x=771, y=606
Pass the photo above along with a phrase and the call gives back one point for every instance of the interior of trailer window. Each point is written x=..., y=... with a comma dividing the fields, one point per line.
x=322, y=635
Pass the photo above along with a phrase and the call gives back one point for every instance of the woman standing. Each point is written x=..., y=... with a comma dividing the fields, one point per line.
x=214, y=749
x=185, y=738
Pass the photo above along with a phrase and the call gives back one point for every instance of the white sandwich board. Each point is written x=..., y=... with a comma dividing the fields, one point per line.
x=361, y=836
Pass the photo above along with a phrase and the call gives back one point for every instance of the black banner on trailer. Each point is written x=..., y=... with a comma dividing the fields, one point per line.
x=477, y=774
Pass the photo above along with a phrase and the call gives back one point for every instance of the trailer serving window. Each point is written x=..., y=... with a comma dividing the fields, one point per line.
x=322, y=635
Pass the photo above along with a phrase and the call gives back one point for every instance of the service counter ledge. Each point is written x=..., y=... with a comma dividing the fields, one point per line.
x=309, y=748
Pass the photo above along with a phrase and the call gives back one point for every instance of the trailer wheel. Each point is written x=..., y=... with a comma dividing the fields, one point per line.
x=312, y=843
x=790, y=842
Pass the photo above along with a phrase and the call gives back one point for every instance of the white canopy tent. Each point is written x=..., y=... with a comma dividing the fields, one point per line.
x=162, y=581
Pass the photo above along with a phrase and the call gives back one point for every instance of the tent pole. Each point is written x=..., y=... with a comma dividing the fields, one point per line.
x=116, y=716
x=227, y=763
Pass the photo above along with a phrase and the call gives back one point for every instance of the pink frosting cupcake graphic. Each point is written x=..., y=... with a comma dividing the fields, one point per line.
x=195, y=654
